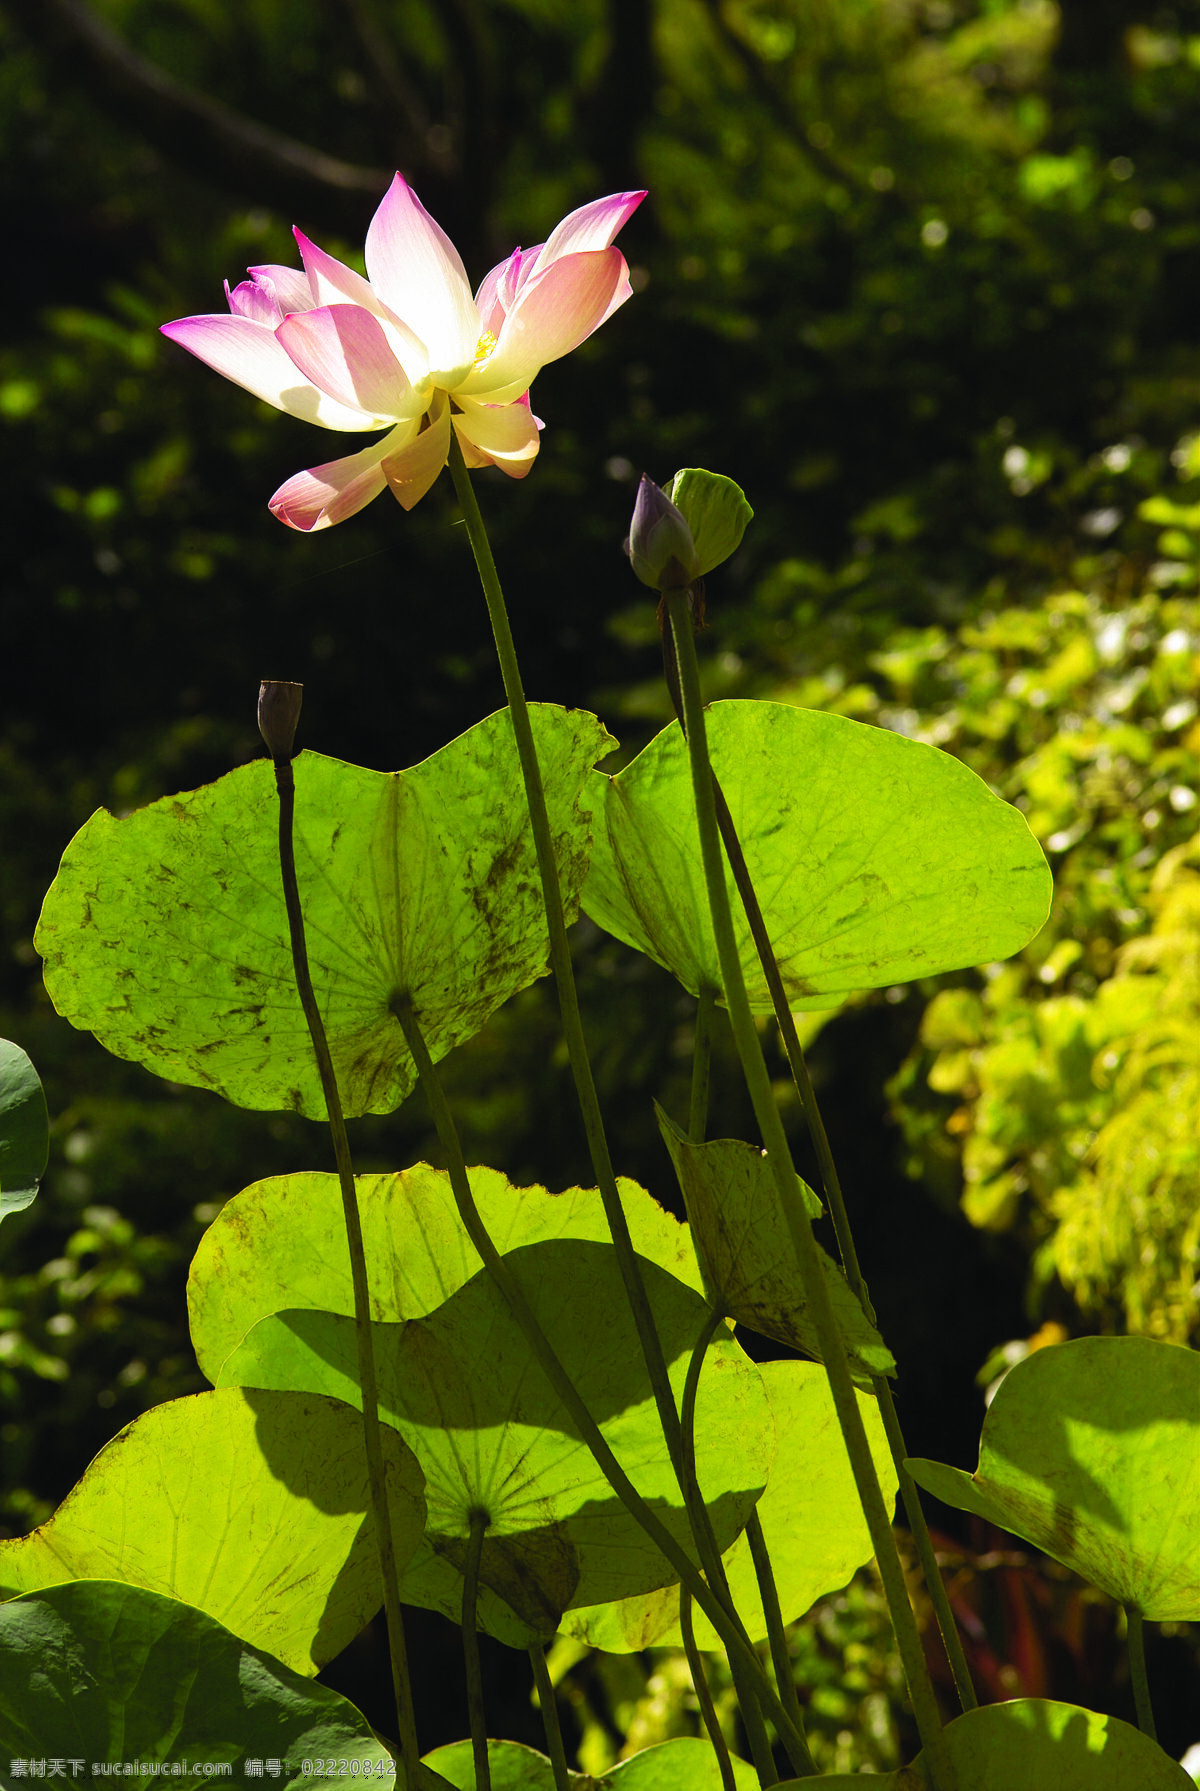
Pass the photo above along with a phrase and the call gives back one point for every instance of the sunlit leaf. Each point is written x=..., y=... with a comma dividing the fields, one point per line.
x=282, y=1243
x=811, y=1519
x=716, y=511
x=876, y=859
x=254, y=1507
x=1033, y=1744
x=1091, y=1451
x=165, y=933
x=745, y=1249
x=101, y=1671
x=467, y=1394
x=684, y=1764
x=24, y=1129
x=513, y=1767
x=681, y=1765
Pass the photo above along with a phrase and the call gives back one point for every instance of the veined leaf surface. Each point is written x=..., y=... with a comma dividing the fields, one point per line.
x=469, y=1397
x=253, y=1507
x=875, y=859
x=165, y=933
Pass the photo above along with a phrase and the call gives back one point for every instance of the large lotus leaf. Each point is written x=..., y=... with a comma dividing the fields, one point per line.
x=282, y=1243
x=685, y=1764
x=875, y=859
x=254, y=1507
x=513, y=1767
x=682, y=1765
x=1033, y=1744
x=165, y=933
x=745, y=1249
x=24, y=1129
x=1091, y=1451
x=466, y=1392
x=98, y=1671
x=811, y=1519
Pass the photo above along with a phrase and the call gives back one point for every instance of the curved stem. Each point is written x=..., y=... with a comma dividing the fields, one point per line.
x=780, y=1658
x=548, y=1700
x=560, y=955
x=701, y=1065
x=831, y=1182
x=708, y=1710
x=934, y=1584
x=1135, y=1636
x=410, y=1755
x=804, y=1244
x=561, y=1381
x=470, y=1636
x=714, y=1567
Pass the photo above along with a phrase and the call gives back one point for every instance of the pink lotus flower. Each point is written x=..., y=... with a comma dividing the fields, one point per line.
x=409, y=350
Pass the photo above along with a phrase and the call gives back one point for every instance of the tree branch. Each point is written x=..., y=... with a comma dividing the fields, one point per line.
x=396, y=98
x=779, y=107
x=195, y=131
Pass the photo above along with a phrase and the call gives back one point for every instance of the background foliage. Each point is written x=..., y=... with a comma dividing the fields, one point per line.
x=921, y=276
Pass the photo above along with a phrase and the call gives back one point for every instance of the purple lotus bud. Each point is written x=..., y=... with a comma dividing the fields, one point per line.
x=278, y=713
x=661, y=549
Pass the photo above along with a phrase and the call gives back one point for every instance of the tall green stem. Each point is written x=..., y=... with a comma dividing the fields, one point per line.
x=800, y=1229
x=752, y=1716
x=560, y=955
x=831, y=1181
x=780, y=1658
x=470, y=1636
x=564, y=976
x=548, y=1701
x=1135, y=1635
x=562, y=1384
x=410, y=1756
x=701, y=1065
x=708, y=1710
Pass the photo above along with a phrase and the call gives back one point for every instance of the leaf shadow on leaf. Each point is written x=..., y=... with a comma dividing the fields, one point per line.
x=471, y=1400
x=1091, y=1450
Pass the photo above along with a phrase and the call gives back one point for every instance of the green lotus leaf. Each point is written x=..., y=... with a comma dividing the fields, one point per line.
x=253, y=1507
x=876, y=859
x=24, y=1129
x=165, y=933
x=282, y=1243
x=513, y=1767
x=685, y=1764
x=1034, y=1744
x=682, y=1765
x=716, y=511
x=1091, y=1451
x=467, y=1394
x=811, y=1520
x=745, y=1249
x=100, y=1671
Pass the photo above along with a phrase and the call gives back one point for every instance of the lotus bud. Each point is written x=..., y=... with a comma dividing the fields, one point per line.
x=661, y=549
x=278, y=712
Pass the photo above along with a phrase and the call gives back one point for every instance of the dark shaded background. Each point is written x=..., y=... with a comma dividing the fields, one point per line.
x=883, y=244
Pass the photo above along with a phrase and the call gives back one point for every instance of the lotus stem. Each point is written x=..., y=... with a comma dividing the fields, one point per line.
x=799, y=1226
x=1135, y=1636
x=701, y=1065
x=561, y=1381
x=410, y=1755
x=470, y=1636
x=560, y=958
x=781, y=1660
x=548, y=1700
x=831, y=1182
x=708, y=1710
